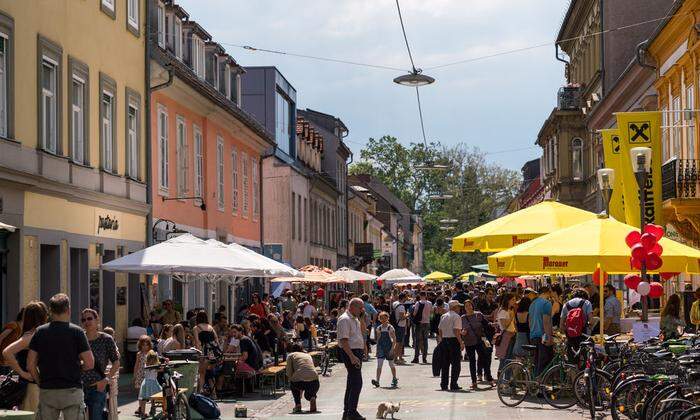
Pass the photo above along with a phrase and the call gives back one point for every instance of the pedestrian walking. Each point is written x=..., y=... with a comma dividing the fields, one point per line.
x=96, y=380
x=541, y=333
x=352, y=344
x=34, y=315
x=303, y=378
x=574, y=319
x=386, y=345
x=58, y=352
x=505, y=318
x=450, y=338
x=401, y=322
x=474, y=340
x=421, y=317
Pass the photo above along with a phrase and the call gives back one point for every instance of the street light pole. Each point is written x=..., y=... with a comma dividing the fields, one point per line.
x=641, y=162
x=606, y=180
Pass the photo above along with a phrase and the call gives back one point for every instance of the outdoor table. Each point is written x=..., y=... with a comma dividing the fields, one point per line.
x=16, y=415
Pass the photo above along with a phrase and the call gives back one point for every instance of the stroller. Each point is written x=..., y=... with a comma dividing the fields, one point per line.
x=12, y=390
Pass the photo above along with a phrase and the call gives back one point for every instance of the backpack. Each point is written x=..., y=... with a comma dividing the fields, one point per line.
x=575, y=320
x=418, y=317
x=392, y=315
x=205, y=406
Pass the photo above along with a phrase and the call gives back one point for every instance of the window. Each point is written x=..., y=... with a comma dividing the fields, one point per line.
x=234, y=180
x=577, y=159
x=300, y=225
x=108, y=7
x=163, y=148
x=6, y=87
x=132, y=16
x=221, y=82
x=182, y=153
x=78, y=123
x=177, y=32
x=665, y=135
x=49, y=109
x=294, y=216
x=198, y=163
x=234, y=87
x=246, y=186
x=690, y=122
x=108, y=134
x=197, y=57
x=220, y=172
x=283, y=121
x=161, y=25
x=133, y=133
x=132, y=144
x=676, y=121
x=256, y=188
x=306, y=218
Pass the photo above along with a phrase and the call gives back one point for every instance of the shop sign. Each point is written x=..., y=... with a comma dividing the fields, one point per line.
x=107, y=223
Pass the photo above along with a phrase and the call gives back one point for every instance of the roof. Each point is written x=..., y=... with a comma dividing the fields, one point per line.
x=197, y=29
x=185, y=73
x=381, y=190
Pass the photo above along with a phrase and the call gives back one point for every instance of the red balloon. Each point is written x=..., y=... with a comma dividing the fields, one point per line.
x=655, y=230
x=632, y=280
x=633, y=238
x=636, y=263
x=657, y=249
x=656, y=290
x=668, y=276
x=648, y=241
x=654, y=262
x=639, y=252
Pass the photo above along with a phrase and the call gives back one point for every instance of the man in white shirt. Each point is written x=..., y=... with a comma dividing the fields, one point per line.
x=421, y=317
x=352, y=344
x=309, y=310
x=133, y=333
x=401, y=317
x=450, y=337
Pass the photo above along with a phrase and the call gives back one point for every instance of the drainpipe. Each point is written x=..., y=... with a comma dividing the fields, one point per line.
x=167, y=82
x=260, y=187
x=147, y=107
x=602, y=49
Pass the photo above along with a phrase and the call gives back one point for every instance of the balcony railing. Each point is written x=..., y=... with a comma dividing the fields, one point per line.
x=680, y=179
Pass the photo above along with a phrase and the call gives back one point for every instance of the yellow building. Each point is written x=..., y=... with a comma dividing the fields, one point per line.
x=72, y=152
x=673, y=51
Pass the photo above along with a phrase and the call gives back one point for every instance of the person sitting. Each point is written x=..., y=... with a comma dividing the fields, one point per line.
x=302, y=378
x=250, y=360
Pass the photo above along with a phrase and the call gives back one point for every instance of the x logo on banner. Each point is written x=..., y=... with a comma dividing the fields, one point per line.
x=639, y=130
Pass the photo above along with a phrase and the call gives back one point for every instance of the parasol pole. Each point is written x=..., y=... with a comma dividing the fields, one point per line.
x=601, y=297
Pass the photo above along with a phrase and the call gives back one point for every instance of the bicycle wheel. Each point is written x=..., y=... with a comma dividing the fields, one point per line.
x=628, y=399
x=182, y=408
x=557, y=385
x=602, y=399
x=674, y=410
x=513, y=384
x=691, y=414
x=656, y=403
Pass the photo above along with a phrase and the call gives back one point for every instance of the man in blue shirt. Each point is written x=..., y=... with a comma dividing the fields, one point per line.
x=541, y=333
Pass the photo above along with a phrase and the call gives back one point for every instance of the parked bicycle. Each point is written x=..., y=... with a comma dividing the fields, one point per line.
x=175, y=405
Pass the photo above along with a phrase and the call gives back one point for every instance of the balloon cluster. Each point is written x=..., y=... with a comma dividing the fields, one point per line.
x=646, y=250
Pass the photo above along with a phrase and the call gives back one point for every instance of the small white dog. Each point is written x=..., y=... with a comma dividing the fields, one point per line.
x=387, y=408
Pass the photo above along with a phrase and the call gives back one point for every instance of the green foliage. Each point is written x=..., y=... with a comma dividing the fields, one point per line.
x=481, y=191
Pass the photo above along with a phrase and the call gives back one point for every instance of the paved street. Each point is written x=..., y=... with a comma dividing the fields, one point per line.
x=418, y=392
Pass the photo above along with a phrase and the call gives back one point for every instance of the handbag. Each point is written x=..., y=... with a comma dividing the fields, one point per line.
x=483, y=342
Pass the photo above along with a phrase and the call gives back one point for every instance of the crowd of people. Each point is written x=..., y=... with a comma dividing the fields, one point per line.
x=68, y=367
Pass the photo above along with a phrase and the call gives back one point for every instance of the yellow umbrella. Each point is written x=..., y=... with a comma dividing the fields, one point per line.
x=582, y=248
x=466, y=276
x=436, y=276
x=519, y=227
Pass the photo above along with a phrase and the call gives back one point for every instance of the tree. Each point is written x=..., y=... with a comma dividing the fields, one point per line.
x=480, y=190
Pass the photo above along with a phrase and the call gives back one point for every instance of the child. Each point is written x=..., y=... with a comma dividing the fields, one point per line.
x=144, y=345
x=386, y=340
x=149, y=385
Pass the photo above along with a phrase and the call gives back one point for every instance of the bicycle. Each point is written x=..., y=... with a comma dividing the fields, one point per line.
x=175, y=405
x=592, y=385
x=554, y=384
x=325, y=363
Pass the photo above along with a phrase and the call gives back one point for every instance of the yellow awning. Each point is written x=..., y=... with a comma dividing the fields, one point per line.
x=579, y=249
x=437, y=276
x=519, y=227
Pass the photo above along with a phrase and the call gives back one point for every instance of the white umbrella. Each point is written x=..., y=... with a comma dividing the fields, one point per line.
x=187, y=255
x=400, y=275
x=352, y=276
x=8, y=228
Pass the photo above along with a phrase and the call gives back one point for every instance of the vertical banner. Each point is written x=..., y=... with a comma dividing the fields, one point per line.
x=611, y=155
x=641, y=129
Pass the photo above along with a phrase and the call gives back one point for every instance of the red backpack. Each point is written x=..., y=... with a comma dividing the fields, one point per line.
x=575, y=320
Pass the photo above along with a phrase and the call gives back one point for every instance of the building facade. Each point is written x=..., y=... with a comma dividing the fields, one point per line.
x=206, y=161
x=72, y=153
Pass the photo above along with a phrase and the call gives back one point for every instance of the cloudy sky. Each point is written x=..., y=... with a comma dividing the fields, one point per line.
x=496, y=104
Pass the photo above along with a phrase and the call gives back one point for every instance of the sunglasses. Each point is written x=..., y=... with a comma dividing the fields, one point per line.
x=86, y=319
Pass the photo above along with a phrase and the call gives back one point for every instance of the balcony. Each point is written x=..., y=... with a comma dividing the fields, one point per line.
x=680, y=192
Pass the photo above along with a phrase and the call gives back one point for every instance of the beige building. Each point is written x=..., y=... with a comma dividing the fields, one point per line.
x=72, y=167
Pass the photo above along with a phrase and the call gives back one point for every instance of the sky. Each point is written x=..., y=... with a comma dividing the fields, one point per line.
x=496, y=104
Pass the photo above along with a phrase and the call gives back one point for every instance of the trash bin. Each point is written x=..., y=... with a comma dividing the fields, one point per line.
x=185, y=354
